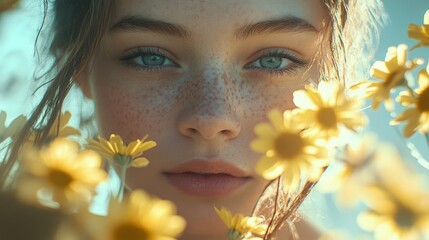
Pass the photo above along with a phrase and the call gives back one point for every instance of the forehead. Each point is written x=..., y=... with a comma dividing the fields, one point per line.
x=205, y=16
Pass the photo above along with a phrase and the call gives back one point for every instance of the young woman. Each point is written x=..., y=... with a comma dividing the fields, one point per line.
x=197, y=76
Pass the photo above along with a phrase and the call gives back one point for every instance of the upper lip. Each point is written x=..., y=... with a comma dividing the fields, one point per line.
x=199, y=166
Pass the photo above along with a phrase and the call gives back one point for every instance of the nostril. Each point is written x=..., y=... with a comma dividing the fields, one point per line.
x=193, y=130
x=226, y=133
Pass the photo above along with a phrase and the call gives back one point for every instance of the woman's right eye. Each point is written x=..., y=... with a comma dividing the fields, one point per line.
x=147, y=59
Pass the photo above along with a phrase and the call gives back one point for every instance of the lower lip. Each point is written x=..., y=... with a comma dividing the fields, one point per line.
x=206, y=185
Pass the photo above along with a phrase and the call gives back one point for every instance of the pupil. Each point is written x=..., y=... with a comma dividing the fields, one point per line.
x=271, y=62
x=152, y=60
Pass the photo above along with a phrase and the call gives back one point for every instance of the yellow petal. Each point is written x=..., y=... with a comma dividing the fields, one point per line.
x=140, y=162
x=261, y=145
x=270, y=167
x=276, y=118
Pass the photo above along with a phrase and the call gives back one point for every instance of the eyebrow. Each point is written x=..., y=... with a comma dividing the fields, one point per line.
x=283, y=24
x=142, y=23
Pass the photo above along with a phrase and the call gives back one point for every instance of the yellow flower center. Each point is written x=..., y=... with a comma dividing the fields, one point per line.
x=59, y=178
x=395, y=78
x=288, y=145
x=423, y=101
x=326, y=117
x=129, y=231
x=405, y=218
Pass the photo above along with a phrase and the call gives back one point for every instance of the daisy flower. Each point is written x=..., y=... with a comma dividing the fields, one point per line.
x=241, y=227
x=14, y=127
x=59, y=129
x=60, y=174
x=121, y=154
x=417, y=115
x=347, y=176
x=391, y=72
x=420, y=33
x=398, y=210
x=140, y=217
x=326, y=109
x=288, y=152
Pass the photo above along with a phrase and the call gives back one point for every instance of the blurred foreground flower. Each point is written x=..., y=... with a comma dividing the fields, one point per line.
x=352, y=171
x=120, y=154
x=397, y=210
x=138, y=217
x=391, y=72
x=420, y=33
x=241, y=227
x=288, y=152
x=13, y=128
x=417, y=117
x=326, y=109
x=60, y=175
x=59, y=129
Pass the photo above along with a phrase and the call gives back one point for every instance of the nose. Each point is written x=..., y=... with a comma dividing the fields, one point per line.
x=210, y=108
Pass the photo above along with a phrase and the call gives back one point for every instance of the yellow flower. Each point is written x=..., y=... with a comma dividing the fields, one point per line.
x=420, y=33
x=417, y=116
x=124, y=155
x=398, y=203
x=59, y=129
x=60, y=174
x=287, y=151
x=14, y=127
x=391, y=72
x=326, y=108
x=140, y=217
x=241, y=227
x=348, y=176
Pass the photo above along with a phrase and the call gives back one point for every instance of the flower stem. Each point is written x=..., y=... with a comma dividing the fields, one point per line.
x=123, y=172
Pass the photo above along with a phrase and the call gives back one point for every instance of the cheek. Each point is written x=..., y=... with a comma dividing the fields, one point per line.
x=128, y=108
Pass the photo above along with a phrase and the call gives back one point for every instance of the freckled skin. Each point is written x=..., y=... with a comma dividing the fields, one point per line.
x=207, y=106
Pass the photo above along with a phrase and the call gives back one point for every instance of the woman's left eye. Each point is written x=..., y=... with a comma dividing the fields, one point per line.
x=272, y=62
x=277, y=62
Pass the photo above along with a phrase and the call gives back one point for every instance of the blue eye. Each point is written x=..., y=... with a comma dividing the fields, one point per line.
x=152, y=60
x=277, y=61
x=272, y=62
x=147, y=59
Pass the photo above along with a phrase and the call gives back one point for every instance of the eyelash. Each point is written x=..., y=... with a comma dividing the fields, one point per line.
x=296, y=61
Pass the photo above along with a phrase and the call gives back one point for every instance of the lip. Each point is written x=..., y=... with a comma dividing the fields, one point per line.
x=207, y=178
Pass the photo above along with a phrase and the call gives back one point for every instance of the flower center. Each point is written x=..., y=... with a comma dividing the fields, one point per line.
x=123, y=160
x=405, y=218
x=288, y=145
x=395, y=78
x=327, y=117
x=129, y=231
x=423, y=101
x=59, y=178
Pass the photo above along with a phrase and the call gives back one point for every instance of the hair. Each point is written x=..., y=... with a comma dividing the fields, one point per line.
x=79, y=25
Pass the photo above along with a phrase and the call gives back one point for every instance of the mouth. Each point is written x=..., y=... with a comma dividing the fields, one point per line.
x=206, y=178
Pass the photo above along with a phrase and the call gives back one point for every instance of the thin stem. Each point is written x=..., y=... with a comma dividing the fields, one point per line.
x=120, y=194
x=267, y=233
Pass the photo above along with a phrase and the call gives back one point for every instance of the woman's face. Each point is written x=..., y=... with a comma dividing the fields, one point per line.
x=197, y=76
